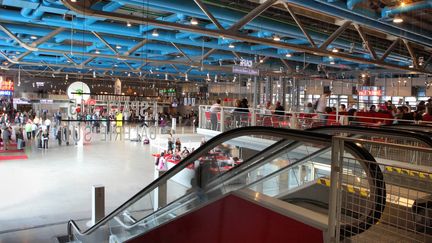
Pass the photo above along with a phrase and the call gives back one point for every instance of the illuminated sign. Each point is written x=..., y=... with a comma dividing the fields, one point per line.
x=370, y=92
x=168, y=91
x=6, y=85
x=6, y=92
x=246, y=63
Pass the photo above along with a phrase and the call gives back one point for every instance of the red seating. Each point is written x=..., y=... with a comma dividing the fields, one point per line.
x=387, y=118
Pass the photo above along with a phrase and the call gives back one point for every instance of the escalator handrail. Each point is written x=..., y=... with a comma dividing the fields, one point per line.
x=299, y=135
x=415, y=135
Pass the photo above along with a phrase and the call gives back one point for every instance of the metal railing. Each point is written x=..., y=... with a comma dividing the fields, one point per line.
x=406, y=204
x=231, y=117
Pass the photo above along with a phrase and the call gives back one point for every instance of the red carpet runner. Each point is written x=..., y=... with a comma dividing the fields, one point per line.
x=12, y=153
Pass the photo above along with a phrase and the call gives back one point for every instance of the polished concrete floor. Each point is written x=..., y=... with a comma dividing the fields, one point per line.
x=40, y=194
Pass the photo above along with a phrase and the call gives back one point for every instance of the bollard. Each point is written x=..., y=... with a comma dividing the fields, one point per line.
x=98, y=203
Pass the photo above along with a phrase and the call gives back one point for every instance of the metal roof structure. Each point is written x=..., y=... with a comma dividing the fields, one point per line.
x=196, y=39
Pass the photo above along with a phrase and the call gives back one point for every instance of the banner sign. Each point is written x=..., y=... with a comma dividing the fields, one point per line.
x=245, y=70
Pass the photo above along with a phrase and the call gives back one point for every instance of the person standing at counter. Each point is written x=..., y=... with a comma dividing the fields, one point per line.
x=214, y=110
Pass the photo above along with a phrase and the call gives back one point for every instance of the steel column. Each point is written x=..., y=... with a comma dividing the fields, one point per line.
x=181, y=51
x=47, y=37
x=252, y=15
x=136, y=47
x=208, y=14
x=231, y=35
x=21, y=43
x=412, y=54
x=105, y=42
x=389, y=49
x=300, y=25
x=363, y=37
x=335, y=35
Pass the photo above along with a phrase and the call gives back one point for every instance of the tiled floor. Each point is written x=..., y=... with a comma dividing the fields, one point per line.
x=54, y=185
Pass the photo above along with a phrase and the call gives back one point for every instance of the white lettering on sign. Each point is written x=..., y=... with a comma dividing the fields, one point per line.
x=246, y=63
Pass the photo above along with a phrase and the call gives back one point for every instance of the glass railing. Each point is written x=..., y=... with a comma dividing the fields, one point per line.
x=228, y=118
x=231, y=161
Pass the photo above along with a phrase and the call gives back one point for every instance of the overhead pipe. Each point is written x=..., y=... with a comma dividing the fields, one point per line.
x=388, y=12
x=112, y=32
x=352, y=3
x=340, y=11
x=235, y=36
x=21, y=43
x=230, y=16
x=121, y=30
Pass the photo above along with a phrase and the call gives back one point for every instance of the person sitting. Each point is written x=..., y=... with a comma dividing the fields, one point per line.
x=342, y=108
x=279, y=110
x=178, y=144
x=372, y=108
x=185, y=152
x=309, y=108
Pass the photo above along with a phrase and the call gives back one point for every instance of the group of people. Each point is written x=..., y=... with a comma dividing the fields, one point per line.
x=174, y=151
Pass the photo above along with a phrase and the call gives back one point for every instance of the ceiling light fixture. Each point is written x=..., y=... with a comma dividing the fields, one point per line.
x=118, y=47
x=397, y=19
x=155, y=33
x=335, y=50
x=194, y=21
x=97, y=52
x=128, y=24
x=231, y=45
x=276, y=38
x=332, y=63
x=288, y=55
x=33, y=37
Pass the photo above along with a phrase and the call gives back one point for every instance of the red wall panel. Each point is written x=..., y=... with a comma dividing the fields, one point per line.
x=234, y=220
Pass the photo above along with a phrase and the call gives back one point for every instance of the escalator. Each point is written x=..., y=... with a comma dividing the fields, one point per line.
x=403, y=170
x=278, y=167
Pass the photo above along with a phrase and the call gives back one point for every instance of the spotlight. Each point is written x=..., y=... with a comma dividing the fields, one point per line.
x=332, y=63
x=288, y=55
x=128, y=24
x=67, y=76
x=155, y=33
x=276, y=38
x=363, y=75
x=335, y=50
x=234, y=79
x=231, y=45
x=411, y=66
x=33, y=37
x=194, y=21
x=94, y=74
x=52, y=75
x=186, y=77
x=118, y=47
x=97, y=52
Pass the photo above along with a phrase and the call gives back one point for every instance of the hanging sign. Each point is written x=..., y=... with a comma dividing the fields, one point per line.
x=370, y=92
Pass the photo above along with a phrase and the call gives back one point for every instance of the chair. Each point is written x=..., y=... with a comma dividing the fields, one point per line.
x=275, y=121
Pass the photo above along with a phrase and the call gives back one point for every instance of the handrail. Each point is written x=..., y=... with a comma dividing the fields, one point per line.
x=415, y=135
x=217, y=140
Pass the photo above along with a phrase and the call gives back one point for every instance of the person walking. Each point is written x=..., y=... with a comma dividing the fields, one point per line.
x=6, y=133
x=45, y=137
x=28, y=129
x=19, y=138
